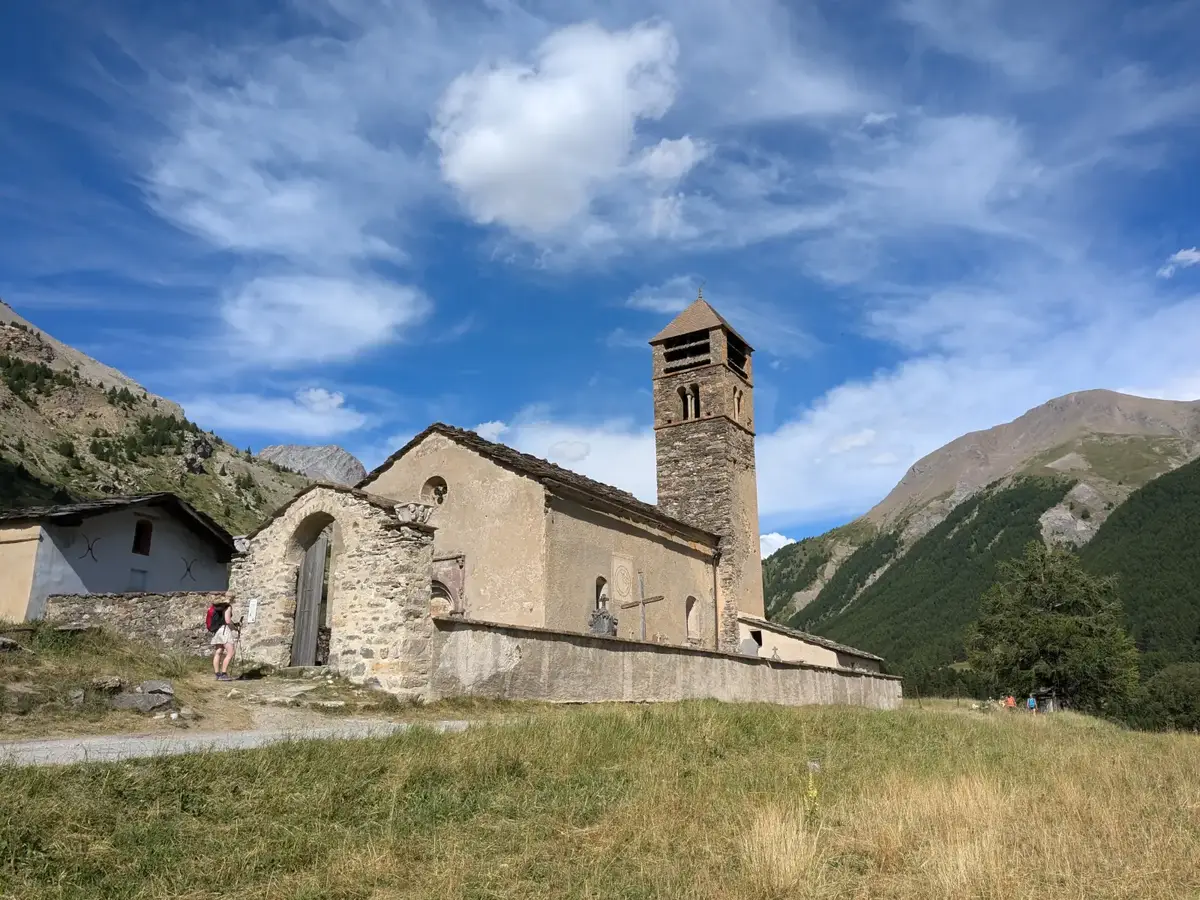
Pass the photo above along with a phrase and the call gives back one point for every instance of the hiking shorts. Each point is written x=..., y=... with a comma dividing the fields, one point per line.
x=223, y=636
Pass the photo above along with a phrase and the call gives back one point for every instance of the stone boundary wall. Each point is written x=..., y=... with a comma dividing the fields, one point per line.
x=173, y=621
x=485, y=659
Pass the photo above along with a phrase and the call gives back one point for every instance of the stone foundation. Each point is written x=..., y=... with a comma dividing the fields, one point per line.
x=483, y=659
x=172, y=621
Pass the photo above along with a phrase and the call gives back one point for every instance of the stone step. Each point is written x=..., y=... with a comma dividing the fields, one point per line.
x=301, y=702
x=302, y=672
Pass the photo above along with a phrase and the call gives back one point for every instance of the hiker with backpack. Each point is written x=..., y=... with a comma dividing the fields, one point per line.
x=219, y=622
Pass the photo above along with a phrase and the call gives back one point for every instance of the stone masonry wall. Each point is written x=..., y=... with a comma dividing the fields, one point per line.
x=706, y=477
x=173, y=621
x=379, y=586
x=483, y=659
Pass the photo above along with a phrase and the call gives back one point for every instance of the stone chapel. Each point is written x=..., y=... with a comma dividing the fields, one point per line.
x=456, y=533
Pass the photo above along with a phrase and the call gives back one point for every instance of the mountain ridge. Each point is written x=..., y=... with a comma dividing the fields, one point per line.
x=72, y=428
x=903, y=579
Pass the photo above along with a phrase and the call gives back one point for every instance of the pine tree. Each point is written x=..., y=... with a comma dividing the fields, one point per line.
x=1048, y=624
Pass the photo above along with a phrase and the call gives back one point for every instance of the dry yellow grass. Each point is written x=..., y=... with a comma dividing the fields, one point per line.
x=696, y=800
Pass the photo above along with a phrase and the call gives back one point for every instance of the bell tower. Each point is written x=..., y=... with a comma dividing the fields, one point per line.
x=704, y=441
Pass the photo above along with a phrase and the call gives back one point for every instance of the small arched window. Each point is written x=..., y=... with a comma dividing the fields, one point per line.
x=441, y=601
x=695, y=401
x=685, y=404
x=601, y=594
x=434, y=491
x=692, y=611
x=142, y=532
x=737, y=403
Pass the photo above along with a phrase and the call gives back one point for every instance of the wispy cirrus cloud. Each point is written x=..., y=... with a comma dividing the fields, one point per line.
x=930, y=206
x=770, y=326
x=310, y=414
x=1181, y=259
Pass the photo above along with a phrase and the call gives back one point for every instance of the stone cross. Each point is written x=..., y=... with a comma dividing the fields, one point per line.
x=641, y=602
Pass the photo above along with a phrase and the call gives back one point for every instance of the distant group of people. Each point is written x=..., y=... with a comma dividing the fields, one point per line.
x=1010, y=703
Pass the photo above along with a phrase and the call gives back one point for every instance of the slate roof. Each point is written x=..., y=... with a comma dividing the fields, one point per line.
x=805, y=636
x=697, y=317
x=201, y=522
x=547, y=474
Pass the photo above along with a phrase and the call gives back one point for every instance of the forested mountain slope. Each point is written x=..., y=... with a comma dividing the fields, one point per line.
x=912, y=608
x=1151, y=544
x=73, y=428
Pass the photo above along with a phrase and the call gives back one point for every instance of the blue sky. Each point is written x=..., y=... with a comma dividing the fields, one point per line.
x=327, y=221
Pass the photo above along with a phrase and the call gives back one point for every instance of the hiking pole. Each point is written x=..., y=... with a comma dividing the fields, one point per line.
x=237, y=645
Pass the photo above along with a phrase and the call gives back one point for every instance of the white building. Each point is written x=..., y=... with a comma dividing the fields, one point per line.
x=155, y=544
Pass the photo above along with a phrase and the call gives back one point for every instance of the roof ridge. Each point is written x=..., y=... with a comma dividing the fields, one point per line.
x=699, y=315
x=540, y=470
x=476, y=436
x=106, y=504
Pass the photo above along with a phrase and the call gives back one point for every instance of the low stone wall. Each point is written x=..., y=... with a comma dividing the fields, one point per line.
x=484, y=659
x=172, y=621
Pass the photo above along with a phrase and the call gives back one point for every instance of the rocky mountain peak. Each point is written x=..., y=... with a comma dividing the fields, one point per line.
x=328, y=463
x=981, y=457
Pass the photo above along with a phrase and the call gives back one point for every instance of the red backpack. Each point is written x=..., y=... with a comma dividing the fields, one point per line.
x=215, y=617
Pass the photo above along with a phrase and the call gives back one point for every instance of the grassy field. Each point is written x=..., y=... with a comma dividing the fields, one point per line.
x=36, y=685
x=697, y=800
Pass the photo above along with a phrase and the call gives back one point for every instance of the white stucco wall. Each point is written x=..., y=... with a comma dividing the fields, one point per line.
x=777, y=644
x=786, y=647
x=65, y=565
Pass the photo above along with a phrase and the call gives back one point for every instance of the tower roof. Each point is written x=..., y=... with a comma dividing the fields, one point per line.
x=697, y=317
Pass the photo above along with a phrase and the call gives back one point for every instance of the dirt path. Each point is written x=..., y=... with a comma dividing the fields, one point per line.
x=107, y=748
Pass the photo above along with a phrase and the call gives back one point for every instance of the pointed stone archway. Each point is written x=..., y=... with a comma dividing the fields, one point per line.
x=377, y=587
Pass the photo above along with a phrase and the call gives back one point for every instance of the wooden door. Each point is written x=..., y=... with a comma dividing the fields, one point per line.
x=308, y=603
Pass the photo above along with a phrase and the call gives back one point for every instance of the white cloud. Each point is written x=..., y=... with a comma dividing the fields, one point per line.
x=769, y=543
x=877, y=118
x=855, y=441
x=311, y=414
x=301, y=320
x=615, y=453
x=1182, y=259
x=527, y=146
x=966, y=235
x=769, y=326
x=491, y=431
x=668, y=298
x=670, y=160
x=1020, y=43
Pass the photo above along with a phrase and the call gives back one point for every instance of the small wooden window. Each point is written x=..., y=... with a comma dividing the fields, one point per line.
x=142, y=532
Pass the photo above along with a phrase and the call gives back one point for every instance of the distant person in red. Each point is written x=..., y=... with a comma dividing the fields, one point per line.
x=220, y=626
x=1010, y=702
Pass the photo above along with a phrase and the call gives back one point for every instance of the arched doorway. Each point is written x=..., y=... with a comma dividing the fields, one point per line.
x=313, y=543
